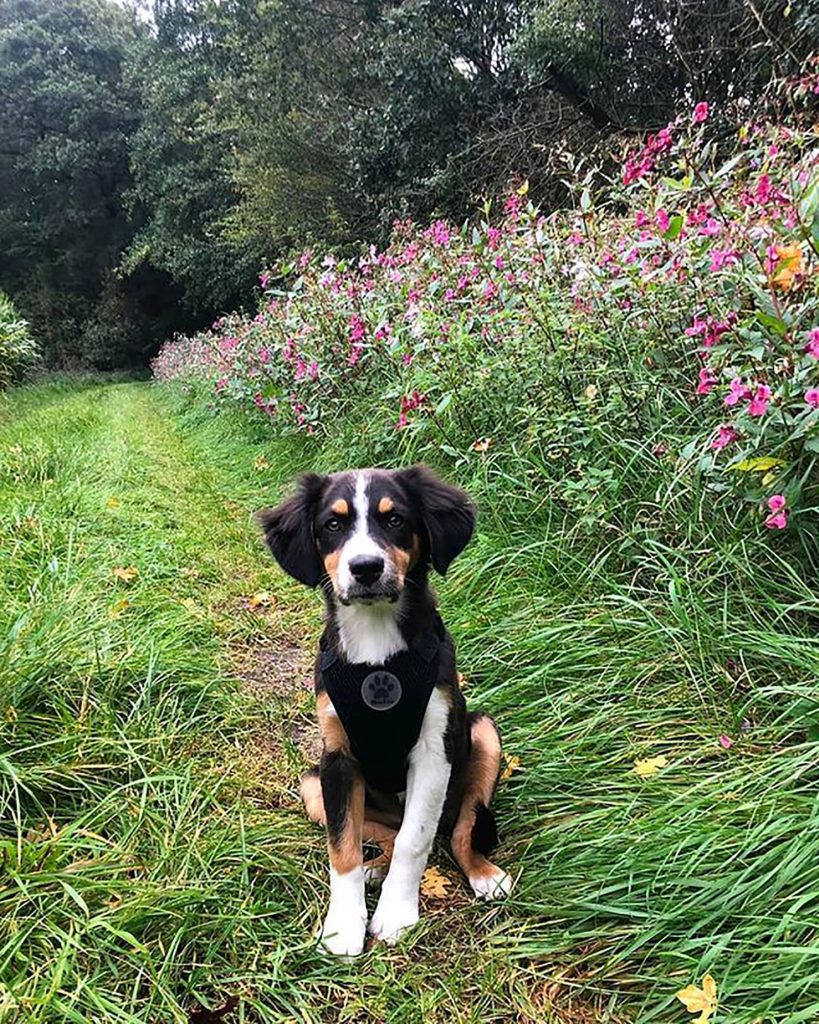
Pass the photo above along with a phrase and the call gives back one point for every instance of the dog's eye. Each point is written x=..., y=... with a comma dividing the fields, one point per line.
x=333, y=525
x=395, y=520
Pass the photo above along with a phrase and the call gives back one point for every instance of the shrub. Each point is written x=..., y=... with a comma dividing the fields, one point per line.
x=674, y=306
x=18, y=350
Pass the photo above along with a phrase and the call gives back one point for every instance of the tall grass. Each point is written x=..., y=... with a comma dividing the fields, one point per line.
x=154, y=857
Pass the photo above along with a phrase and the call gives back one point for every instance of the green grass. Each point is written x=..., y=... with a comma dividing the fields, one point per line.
x=152, y=851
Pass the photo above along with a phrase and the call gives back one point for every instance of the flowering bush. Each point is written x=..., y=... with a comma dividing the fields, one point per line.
x=18, y=349
x=683, y=290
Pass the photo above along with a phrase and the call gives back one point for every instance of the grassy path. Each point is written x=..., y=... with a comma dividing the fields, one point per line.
x=153, y=854
x=154, y=717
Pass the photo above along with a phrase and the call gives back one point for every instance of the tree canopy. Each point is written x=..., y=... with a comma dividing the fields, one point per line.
x=149, y=170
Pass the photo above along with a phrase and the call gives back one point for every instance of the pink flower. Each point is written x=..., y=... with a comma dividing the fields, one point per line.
x=722, y=258
x=812, y=347
x=759, y=403
x=710, y=228
x=641, y=219
x=661, y=219
x=812, y=397
x=778, y=519
x=738, y=392
x=264, y=279
x=707, y=381
x=700, y=113
x=725, y=436
x=725, y=742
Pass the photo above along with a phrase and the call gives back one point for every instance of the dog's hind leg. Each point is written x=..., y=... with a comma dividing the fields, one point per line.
x=475, y=834
x=310, y=789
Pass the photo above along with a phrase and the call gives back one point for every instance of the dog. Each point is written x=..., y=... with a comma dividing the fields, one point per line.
x=402, y=758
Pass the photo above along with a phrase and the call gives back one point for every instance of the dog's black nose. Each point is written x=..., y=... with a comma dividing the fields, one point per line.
x=366, y=568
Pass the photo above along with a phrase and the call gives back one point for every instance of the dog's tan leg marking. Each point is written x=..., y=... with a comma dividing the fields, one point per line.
x=372, y=831
x=487, y=880
x=332, y=731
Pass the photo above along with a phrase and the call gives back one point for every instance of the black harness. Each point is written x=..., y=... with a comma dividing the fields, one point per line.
x=382, y=706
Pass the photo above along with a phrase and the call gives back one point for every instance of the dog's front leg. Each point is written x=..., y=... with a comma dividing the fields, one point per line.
x=427, y=781
x=342, y=787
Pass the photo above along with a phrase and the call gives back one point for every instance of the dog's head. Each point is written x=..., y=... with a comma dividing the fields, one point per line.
x=366, y=530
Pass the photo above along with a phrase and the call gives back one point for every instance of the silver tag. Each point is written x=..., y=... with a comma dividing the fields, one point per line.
x=381, y=690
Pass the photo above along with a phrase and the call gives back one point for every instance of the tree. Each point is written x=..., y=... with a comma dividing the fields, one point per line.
x=65, y=119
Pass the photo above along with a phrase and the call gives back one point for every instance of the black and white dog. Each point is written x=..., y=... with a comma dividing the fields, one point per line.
x=402, y=758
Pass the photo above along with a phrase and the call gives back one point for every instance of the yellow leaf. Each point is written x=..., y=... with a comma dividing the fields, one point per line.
x=591, y=392
x=260, y=462
x=790, y=264
x=512, y=765
x=524, y=188
x=119, y=608
x=127, y=575
x=482, y=445
x=650, y=765
x=700, y=1000
x=261, y=600
x=758, y=465
x=10, y=714
x=112, y=502
x=434, y=884
x=189, y=603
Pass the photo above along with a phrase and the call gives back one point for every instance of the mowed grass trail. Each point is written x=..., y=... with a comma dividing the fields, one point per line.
x=153, y=856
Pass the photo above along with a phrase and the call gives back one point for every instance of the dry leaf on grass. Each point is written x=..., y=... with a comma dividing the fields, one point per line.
x=650, y=766
x=482, y=444
x=434, y=884
x=512, y=765
x=112, y=502
x=125, y=573
x=189, y=603
x=700, y=1000
x=260, y=462
x=264, y=599
x=119, y=608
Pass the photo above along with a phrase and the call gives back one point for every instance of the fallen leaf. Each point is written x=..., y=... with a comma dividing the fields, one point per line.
x=189, y=603
x=127, y=575
x=591, y=392
x=10, y=714
x=512, y=765
x=261, y=600
x=261, y=462
x=650, y=766
x=524, y=188
x=112, y=502
x=119, y=608
x=482, y=445
x=700, y=1000
x=434, y=884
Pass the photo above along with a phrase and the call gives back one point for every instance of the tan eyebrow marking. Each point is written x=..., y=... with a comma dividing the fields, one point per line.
x=340, y=507
x=385, y=505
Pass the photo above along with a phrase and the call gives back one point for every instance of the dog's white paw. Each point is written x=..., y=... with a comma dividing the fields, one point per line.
x=392, y=918
x=495, y=886
x=343, y=935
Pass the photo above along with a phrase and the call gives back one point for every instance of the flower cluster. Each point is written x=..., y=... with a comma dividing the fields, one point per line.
x=693, y=275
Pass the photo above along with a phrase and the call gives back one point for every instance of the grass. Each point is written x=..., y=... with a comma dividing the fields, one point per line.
x=153, y=856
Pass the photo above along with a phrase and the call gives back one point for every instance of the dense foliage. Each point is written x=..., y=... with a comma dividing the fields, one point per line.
x=18, y=350
x=148, y=170
x=679, y=300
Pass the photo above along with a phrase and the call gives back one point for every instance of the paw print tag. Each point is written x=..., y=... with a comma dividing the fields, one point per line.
x=381, y=691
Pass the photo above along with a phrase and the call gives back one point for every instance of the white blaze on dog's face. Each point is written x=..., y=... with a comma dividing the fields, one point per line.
x=368, y=536
x=366, y=530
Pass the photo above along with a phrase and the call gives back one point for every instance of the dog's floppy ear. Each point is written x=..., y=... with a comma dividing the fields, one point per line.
x=288, y=530
x=447, y=511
